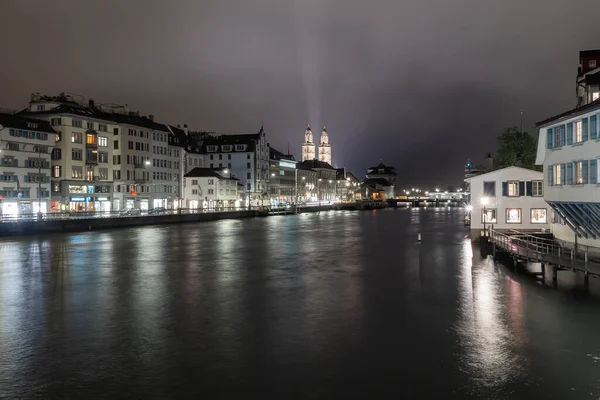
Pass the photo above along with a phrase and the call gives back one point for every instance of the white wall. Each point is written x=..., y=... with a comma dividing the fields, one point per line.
x=222, y=189
x=501, y=203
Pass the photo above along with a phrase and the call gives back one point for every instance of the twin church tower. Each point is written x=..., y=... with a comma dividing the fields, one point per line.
x=309, y=148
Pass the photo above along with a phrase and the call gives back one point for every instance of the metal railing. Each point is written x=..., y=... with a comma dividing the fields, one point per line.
x=542, y=249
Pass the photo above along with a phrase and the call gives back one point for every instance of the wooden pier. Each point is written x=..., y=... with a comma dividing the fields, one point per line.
x=527, y=247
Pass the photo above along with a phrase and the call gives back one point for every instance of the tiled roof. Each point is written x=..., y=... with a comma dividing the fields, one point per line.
x=206, y=173
x=314, y=164
x=386, y=170
x=18, y=121
x=277, y=155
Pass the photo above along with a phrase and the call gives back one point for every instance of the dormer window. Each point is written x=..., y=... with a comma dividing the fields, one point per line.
x=240, y=147
x=226, y=147
x=32, y=125
x=211, y=149
x=592, y=64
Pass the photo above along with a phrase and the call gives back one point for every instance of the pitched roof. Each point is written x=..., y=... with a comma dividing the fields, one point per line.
x=503, y=169
x=571, y=113
x=17, y=121
x=207, y=173
x=386, y=170
x=314, y=164
x=277, y=155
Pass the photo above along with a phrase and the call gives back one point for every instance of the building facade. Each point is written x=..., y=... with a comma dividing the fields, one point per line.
x=282, y=183
x=588, y=77
x=387, y=173
x=246, y=156
x=25, y=149
x=508, y=198
x=325, y=147
x=308, y=147
x=568, y=150
x=325, y=185
x=209, y=188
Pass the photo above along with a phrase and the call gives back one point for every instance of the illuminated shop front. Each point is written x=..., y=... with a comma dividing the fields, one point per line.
x=82, y=197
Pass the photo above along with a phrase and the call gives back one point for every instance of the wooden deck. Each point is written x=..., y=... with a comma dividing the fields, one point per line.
x=528, y=247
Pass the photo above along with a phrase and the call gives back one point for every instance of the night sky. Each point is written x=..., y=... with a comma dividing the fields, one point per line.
x=419, y=84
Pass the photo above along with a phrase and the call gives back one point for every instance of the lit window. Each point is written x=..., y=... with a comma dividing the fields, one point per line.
x=102, y=141
x=538, y=215
x=557, y=137
x=592, y=64
x=537, y=188
x=489, y=216
x=578, y=166
x=595, y=96
x=513, y=189
x=578, y=132
x=513, y=215
x=557, y=174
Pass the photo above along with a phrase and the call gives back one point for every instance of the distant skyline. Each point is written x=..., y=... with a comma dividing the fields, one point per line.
x=421, y=85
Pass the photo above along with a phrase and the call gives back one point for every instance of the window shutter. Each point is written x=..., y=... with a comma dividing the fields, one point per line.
x=550, y=138
x=529, y=188
x=504, y=188
x=593, y=127
x=584, y=127
x=521, y=188
x=570, y=173
x=593, y=172
x=584, y=171
x=563, y=172
x=550, y=175
x=570, y=133
x=562, y=135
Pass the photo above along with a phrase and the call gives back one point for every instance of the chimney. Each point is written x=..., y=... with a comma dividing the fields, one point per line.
x=178, y=126
x=151, y=117
x=489, y=162
x=185, y=128
x=91, y=103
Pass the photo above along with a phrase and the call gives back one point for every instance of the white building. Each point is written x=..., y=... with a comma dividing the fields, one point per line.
x=568, y=149
x=308, y=147
x=187, y=156
x=325, y=147
x=508, y=198
x=25, y=147
x=246, y=156
x=210, y=188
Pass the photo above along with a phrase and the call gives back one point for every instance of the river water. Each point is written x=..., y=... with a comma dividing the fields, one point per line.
x=329, y=305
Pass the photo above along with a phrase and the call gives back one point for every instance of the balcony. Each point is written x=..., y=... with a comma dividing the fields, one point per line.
x=91, y=158
x=140, y=180
x=145, y=164
x=91, y=141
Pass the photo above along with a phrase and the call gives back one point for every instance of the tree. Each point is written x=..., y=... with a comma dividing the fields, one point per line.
x=516, y=149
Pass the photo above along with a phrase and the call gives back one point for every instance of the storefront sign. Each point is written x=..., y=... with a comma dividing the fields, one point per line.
x=102, y=198
x=287, y=164
x=77, y=198
x=78, y=189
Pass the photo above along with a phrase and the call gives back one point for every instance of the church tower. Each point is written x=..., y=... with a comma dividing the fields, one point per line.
x=308, y=147
x=325, y=147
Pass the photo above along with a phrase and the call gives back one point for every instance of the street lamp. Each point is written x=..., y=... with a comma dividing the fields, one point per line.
x=484, y=202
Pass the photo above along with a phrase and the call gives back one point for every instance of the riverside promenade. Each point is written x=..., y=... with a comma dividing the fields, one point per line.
x=90, y=222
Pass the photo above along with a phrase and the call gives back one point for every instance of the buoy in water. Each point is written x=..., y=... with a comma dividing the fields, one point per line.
x=419, y=237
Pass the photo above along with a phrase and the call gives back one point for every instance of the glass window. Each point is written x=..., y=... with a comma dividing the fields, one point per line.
x=578, y=166
x=557, y=141
x=513, y=188
x=537, y=188
x=76, y=137
x=102, y=141
x=592, y=64
x=489, y=189
x=578, y=137
x=56, y=171
x=538, y=215
x=513, y=215
x=557, y=174
x=489, y=216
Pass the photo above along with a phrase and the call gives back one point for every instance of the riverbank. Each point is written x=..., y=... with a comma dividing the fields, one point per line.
x=26, y=228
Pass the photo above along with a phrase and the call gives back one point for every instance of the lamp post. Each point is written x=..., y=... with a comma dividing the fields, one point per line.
x=484, y=202
x=39, y=151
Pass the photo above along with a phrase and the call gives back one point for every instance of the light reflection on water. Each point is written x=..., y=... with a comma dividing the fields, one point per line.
x=329, y=305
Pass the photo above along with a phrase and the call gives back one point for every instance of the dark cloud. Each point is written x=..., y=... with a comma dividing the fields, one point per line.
x=421, y=84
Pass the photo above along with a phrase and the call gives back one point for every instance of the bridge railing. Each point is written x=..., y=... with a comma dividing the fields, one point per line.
x=534, y=247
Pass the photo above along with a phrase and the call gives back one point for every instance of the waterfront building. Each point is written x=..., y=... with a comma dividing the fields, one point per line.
x=186, y=156
x=346, y=184
x=83, y=159
x=210, y=188
x=307, y=180
x=508, y=198
x=385, y=172
x=246, y=156
x=568, y=150
x=25, y=148
x=325, y=147
x=282, y=182
x=325, y=185
x=308, y=147
x=588, y=77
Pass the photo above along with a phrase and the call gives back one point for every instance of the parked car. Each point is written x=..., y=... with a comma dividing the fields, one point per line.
x=157, y=211
x=131, y=212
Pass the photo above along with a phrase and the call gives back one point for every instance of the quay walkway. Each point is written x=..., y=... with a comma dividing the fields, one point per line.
x=527, y=247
